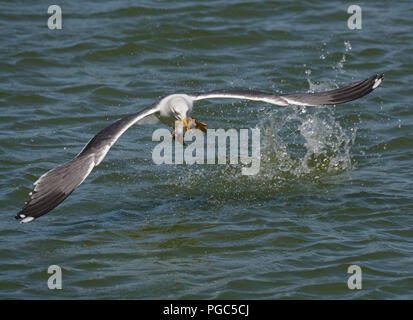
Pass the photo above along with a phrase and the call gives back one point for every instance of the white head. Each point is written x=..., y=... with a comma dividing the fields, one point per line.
x=181, y=108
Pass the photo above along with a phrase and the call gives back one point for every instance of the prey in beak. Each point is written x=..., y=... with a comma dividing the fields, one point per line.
x=197, y=125
x=186, y=124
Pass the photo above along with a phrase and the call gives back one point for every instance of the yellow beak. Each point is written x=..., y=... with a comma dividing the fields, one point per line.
x=186, y=124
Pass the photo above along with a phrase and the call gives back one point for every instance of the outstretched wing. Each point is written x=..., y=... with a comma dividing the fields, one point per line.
x=57, y=184
x=344, y=94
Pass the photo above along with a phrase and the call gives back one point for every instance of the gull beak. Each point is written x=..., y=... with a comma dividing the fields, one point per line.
x=186, y=124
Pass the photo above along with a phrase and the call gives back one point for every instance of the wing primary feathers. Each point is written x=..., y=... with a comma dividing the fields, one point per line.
x=347, y=93
x=56, y=185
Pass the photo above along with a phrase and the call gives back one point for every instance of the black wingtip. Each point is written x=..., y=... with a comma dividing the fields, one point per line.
x=378, y=80
x=19, y=216
x=23, y=218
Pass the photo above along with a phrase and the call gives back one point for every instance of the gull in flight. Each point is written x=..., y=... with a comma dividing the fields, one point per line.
x=57, y=184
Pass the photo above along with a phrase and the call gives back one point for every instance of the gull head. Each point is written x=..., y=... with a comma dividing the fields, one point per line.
x=180, y=108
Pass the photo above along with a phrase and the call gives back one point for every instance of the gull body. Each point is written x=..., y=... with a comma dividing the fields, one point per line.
x=56, y=185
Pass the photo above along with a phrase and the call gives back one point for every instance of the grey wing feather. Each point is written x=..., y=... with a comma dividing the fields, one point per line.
x=57, y=184
x=344, y=94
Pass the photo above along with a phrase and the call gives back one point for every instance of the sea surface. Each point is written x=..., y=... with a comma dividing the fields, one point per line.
x=335, y=186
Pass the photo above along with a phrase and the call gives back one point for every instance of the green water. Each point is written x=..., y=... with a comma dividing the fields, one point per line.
x=335, y=185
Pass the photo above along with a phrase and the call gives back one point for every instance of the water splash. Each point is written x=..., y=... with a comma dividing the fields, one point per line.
x=340, y=65
x=305, y=143
x=299, y=146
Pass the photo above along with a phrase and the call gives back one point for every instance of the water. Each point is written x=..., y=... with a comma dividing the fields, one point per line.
x=335, y=185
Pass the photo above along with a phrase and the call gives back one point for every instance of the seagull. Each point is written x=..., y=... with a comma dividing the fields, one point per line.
x=56, y=185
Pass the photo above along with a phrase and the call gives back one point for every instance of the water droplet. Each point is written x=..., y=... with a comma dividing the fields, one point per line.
x=347, y=45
